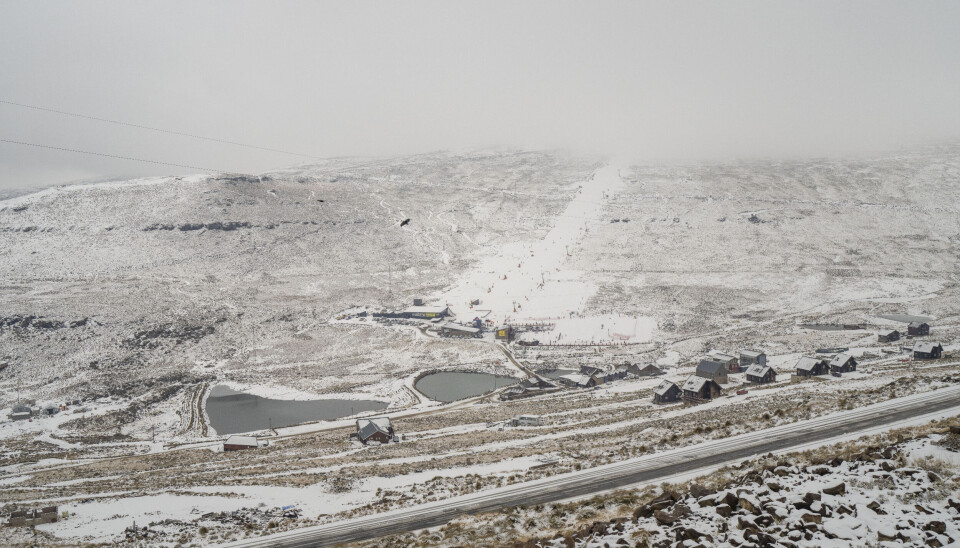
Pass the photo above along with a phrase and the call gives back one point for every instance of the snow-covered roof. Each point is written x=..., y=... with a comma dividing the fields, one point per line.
x=458, y=327
x=427, y=309
x=711, y=367
x=663, y=388
x=926, y=346
x=590, y=370
x=841, y=359
x=369, y=427
x=917, y=324
x=241, y=440
x=751, y=353
x=695, y=383
x=720, y=356
x=757, y=370
x=577, y=378
x=807, y=363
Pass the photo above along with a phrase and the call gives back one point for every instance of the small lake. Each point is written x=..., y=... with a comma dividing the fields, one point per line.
x=905, y=318
x=233, y=412
x=449, y=386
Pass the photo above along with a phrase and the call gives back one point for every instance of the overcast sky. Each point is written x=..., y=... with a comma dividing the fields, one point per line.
x=651, y=81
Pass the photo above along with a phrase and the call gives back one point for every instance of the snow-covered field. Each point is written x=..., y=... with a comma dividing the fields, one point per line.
x=138, y=297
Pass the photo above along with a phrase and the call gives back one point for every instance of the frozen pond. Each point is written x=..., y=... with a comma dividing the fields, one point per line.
x=905, y=318
x=448, y=386
x=232, y=412
x=829, y=327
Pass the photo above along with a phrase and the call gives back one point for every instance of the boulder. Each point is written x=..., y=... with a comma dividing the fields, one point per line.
x=875, y=506
x=837, y=489
x=808, y=517
x=664, y=518
x=936, y=526
x=724, y=510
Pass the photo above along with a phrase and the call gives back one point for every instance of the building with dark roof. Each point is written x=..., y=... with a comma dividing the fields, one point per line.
x=760, y=374
x=927, y=350
x=888, y=336
x=843, y=363
x=812, y=367
x=376, y=429
x=918, y=329
x=713, y=370
x=698, y=389
x=750, y=357
x=667, y=392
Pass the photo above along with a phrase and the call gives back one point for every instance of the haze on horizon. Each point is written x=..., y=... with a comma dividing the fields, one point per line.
x=645, y=81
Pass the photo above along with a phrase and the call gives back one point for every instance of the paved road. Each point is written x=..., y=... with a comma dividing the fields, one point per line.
x=611, y=476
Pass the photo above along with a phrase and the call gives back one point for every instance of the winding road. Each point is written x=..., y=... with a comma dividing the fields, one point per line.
x=627, y=473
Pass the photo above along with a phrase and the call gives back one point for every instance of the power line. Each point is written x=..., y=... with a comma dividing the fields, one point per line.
x=159, y=130
x=102, y=154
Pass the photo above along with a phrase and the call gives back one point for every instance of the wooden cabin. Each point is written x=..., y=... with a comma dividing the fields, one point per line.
x=376, y=429
x=750, y=357
x=240, y=443
x=812, y=367
x=927, y=350
x=713, y=370
x=918, y=329
x=843, y=363
x=889, y=336
x=761, y=374
x=700, y=389
x=730, y=362
x=667, y=392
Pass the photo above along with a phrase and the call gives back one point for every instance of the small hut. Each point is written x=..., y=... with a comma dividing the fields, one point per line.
x=761, y=374
x=240, y=443
x=918, y=329
x=699, y=389
x=750, y=357
x=889, y=336
x=812, y=367
x=713, y=370
x=843, y=363
x=927, y=350
x=667, y=392
x=376, y=429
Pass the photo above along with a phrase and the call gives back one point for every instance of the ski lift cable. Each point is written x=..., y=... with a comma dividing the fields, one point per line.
x=151, y=128
x=117, y=156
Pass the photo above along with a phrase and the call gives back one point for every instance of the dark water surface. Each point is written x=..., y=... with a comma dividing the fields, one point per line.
x=233, y=412
x=448, y=386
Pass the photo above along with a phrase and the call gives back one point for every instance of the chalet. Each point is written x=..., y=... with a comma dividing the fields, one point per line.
x=713, y=370
x=918, y=329
x=239, y=443
x=811, y=367
x=504, y=333
x=580, y=381
x=843, y=363
x=889, y=336
x=761, y=374
x=750, y=357
x=699, y=389
x=427, y=312
x=460, y=331
x=927, y=350
x=21, y=412
x=527, y=388
x=648, y=370
x=667, y=392
x=730, y=362
x=591, y=371
x=376, y=429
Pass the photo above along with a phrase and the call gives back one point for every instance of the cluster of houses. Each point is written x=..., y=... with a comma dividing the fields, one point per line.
x=24, y=411
x=714, y=370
